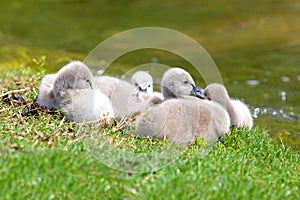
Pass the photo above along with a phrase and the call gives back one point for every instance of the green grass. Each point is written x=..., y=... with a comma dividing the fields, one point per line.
x=42, y=156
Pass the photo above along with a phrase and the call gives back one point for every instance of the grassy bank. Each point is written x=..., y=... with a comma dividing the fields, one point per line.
x=248, y=40
x=42, y=157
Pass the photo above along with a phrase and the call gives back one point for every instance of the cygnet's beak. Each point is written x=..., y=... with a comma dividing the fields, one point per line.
x=198, y=92
x=142, y=90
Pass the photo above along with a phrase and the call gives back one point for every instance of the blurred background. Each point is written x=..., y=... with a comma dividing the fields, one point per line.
x=255, y=44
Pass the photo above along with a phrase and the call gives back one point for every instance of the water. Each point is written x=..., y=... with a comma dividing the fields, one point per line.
x=256, y=45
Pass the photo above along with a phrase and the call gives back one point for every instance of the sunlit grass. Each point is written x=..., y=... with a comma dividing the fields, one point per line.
x=46, y=157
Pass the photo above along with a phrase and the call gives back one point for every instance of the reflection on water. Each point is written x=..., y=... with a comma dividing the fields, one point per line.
x=285, y=79
x=283, y=95
x=281, y=123
x=252, y=82
x=280, y=115
x=276, y=109
x=274, y=104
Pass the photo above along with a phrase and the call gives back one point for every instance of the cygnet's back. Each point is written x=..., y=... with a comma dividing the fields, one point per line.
x=238, y=111
x=182, y=118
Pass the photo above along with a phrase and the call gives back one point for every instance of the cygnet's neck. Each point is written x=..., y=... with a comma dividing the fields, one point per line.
x=167, y=93
x=232, y=113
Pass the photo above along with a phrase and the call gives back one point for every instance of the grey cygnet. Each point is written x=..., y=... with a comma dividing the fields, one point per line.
x=238, y=111
x=73, y=93
x=122, y=95
x=143, y=82
x=182, y=117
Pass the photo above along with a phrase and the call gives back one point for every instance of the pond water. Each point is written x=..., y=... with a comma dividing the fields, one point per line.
x=255, y=44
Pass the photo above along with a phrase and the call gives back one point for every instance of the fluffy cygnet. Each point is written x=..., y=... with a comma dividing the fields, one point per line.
x=45, y=95
x=237, y=110
x=178, y=83
x=82, y=105
x=122, y=95
x=75, y=96
x=182, y=118
x=143, y=82
x=75, y=75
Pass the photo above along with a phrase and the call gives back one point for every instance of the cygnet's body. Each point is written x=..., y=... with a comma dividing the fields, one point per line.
x=72, y=92
x=237, y=110
x=87, y=104
x=45, y=95
x=182, y=118
x=122, y=95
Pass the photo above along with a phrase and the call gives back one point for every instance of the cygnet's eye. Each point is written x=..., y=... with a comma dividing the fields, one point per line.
x=149, y=85
x=207, y=95
x=89, y=82
x=185, y=82
x=136, y=84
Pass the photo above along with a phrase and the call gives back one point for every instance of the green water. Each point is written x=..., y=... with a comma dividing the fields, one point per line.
x=248, y=40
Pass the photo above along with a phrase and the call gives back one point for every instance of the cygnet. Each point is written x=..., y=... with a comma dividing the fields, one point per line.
x=122, y=95
x=75, y=75
x=74, y=94
x=143, y=83
x=238, y=111
x=178, y=83
x=182, y=117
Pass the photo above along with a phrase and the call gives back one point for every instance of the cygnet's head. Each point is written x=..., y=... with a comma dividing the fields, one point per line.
x=142, y=81
x=218, y=93
x=75, y=75
x=177, y=82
